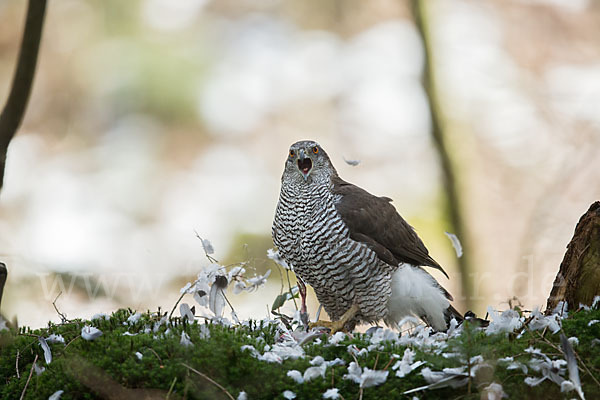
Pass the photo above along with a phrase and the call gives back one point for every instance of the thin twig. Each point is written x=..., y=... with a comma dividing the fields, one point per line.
x=28, y=378
x=287, y=273
x=209, y=379
x=389, y=363
x=17, y=364
x=156, y=354
x=280, y=278
x=587, y=369
x=176, y=304
x=210, y=258
x=71, y=341
x=376, y=360
x=227, y=300
x=171, y=388
x=63, y=317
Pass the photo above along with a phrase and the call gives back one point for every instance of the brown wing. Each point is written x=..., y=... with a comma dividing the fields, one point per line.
x=374, y=221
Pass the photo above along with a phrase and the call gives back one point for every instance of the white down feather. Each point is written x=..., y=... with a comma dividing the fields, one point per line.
x=416, y=293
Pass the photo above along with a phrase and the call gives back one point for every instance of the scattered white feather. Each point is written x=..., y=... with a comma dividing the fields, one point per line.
x=567, y=386
x=185, y=340
x=314, y=372
x=201, y=296
x=134, y=318
x=188, y=288
x=354, y=373
x=236, y=272
x=562, y=308
x=208, y=247
x=204, y=332
x=337, y=338
x=381, y=336
x=100, y=316
x=54, y=338
x=90, y=332
x=506, y=322
x=540, y=321
x=493, y=391
x=239, y=286
x=407, y=364
x=371, y=377
x=453, y=377
x=46, y=348
x=186, y=312
x=593, y=322
x=296, y=376
x=257, y=281
x=127, y=333
x=531, y=381
x=278, y=353
x=318, y=360
x=139, y=355
x=216, y=301
x=289, y=395
x=275, y=256
x=352, y=163
x=455, y=243
x=38, y=369
x=512, y=364
x=333, y=393
x=571, y=366
x=56, y=395
x=574, y=341
x=242, y=396
x=365, y=377
x=549, y=369
x=337, y=361
x=271, y=357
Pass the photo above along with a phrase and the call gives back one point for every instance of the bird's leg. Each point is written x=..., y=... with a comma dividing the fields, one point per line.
x=338, y=326
x=303, y=312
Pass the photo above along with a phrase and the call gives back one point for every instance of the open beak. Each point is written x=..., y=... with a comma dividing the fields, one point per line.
x=304, y=164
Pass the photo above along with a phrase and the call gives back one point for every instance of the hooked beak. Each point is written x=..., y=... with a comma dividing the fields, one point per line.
x=304, y=164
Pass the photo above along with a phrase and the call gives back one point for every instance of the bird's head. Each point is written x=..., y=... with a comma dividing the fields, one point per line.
x=307, y=162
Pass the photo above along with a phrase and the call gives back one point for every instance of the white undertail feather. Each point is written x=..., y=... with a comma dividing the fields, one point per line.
x=415, y=292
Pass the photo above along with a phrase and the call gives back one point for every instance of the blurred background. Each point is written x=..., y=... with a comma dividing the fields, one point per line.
x=152, y=120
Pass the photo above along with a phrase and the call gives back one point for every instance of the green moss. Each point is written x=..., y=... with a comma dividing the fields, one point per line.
x=84, y=369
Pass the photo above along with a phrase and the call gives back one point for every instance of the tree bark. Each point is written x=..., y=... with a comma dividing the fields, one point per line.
x=578, y=280
x=13, y=112
x=3, y=276
x=453, y=201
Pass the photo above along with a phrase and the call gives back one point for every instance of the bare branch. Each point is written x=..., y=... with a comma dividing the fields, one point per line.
x=28, y=378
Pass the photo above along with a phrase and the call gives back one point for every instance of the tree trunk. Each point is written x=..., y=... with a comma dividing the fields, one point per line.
x=578, y=280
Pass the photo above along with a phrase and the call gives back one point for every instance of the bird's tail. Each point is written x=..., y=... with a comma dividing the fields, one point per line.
x=452, y=312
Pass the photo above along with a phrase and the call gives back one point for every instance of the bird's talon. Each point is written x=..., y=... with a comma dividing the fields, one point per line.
x=331, y=326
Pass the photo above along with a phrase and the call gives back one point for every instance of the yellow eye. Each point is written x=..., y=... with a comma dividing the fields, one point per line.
x=315, y=149
x=292, y=153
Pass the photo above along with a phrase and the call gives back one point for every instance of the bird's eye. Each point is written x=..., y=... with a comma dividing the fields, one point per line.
x=315, y=149
x=292, y=153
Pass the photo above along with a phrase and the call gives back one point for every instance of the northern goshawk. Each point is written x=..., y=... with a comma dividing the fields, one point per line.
x=363, y=260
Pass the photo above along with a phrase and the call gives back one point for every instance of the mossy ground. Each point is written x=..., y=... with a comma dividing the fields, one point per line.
x=109, y=368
